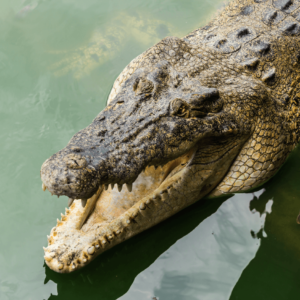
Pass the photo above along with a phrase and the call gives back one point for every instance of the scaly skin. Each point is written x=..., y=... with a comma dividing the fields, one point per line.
x=218, y=110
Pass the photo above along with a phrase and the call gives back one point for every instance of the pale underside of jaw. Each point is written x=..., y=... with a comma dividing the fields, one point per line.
x=112, y=216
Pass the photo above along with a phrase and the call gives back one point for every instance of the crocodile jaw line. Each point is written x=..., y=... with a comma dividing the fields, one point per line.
x=84, y=232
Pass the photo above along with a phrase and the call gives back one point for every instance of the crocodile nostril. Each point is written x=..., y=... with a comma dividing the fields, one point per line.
x=243, y=32
x=101, y=133
x=75, y=161
x=76, y=149
x=143, y=86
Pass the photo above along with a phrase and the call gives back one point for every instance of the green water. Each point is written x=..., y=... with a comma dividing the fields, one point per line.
x=58, y=61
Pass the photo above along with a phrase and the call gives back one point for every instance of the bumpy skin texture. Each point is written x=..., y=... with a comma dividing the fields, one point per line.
x=230, y=91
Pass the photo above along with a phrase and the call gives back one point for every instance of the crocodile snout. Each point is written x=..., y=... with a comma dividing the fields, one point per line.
x=69, y=174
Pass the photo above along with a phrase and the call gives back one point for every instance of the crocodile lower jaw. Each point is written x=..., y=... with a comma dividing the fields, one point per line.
x=107, y=220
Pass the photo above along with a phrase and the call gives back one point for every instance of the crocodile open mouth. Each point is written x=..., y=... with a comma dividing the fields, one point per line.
x=114, y=214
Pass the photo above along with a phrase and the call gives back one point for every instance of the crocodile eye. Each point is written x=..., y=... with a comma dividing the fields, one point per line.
x=180, y=108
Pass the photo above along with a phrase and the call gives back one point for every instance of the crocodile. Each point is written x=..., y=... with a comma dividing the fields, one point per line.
x=210, y=114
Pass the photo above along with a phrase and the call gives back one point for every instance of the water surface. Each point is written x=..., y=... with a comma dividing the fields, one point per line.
x=58, y=61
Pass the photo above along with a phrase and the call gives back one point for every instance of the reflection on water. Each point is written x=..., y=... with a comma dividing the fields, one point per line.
x=206, y=263
x=275, y=271
x=58, y=61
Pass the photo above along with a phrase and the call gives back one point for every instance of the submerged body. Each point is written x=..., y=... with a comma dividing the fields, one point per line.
x=213, y=113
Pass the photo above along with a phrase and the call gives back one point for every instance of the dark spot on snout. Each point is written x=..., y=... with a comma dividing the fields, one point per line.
x=261, y=47
x=76, y=149
x=285, y=99
x=243, y=32
x=102, y=133
x=290, y=28
x=206, y=27
x=283, y=4
x=99, y=119
x=221, y=43
x=250, y=64
x=272, y=16
x=269, y=77
x=210, y=36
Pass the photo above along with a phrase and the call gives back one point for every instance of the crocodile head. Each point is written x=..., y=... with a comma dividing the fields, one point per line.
x=175, y=130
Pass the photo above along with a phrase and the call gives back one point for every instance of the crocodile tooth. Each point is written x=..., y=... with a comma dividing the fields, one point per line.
x=44, y=187
x=70, y=201
x=60, y=266
x=135, y=213
x=142, y=206
x=83, y=202
x=84, y=260
x=48, y=258
x=112, y=186
x=73, y=267
x=91, y=250
x=120, y=187
x=106, y=187
x=129, y=187
x=45, y=249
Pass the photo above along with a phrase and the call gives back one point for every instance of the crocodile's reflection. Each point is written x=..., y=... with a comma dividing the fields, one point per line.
x=112, y=274
x=275, y=271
